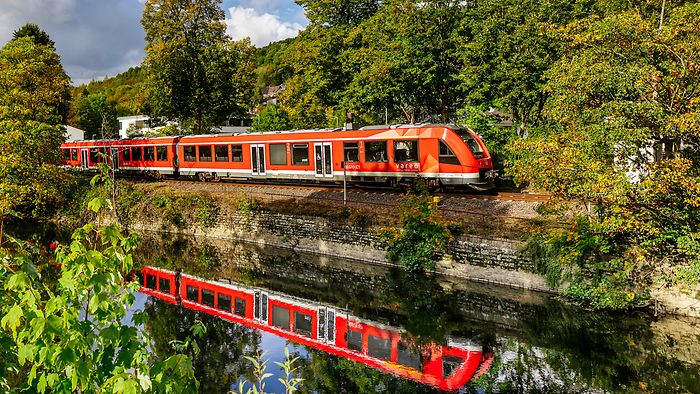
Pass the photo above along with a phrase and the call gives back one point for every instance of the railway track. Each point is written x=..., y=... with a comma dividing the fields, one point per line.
x=504, y=205
x=280, y=188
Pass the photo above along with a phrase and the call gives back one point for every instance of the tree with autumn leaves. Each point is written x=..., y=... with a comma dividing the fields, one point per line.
x=624, y=98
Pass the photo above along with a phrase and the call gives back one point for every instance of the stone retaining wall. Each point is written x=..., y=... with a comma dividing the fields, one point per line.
x=491, y=260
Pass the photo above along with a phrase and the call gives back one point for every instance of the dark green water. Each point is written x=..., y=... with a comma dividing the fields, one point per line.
x=539, y=344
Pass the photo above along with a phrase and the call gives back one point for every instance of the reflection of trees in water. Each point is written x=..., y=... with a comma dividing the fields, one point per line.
x=325, y=373
x=222, y=349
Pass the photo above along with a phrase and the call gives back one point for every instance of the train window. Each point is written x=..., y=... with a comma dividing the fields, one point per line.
x=192, y=293
x=164, y=285
x=74, y=154
x=93, y=155
x=408, y=357
x=149, y=153
x=126, y=154
x=379, y=348
x=375, y=151
x=136, y=154
x=300, y=154
x=240, y=307
x=278, y=154
x=189, y=152
x=66, y=154
x=224, y=302
x=204, y=152
x=221, y=152
x=355, y=340
x=352, y=151
x=446, y=155
x=471, y=142
x=236, y=153
x=208, y=297
x=280, y=317
x=302, y=324
x=406, y=150
x=151, y=281
x=450, y=364
x=162, y=153
x=331, y=326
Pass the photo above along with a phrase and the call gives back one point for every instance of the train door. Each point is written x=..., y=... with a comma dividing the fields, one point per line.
x=326, y=324
x=260, y=301
x=84, y=158
x=323, y=159
x=257, y=159
x=115, y=158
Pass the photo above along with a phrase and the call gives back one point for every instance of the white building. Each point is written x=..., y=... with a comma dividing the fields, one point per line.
x=74, y=134
x=140, y=122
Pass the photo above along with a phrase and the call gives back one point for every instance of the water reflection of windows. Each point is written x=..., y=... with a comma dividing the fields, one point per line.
x=192, y=293
x=208, y=297
x=355, y=340
x=240, y=307
x=164, y=285
x=302, y=324
x=223, y=302
x=379, y=347
x=408, y=357
x=280, y=317
x=126, y=154
x=151, y=281
x=450, y=364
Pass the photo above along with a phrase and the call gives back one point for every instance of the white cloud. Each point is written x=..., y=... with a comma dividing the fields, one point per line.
x=15, y=13
x=261, y=28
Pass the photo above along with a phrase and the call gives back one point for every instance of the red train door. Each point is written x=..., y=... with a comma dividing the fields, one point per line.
x=257, y=159
x=323, y=159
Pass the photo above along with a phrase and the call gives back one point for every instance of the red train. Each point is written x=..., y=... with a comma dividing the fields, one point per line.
x=443, y=155
x=322, y=327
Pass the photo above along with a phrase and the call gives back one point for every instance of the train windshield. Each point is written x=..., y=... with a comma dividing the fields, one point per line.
x=472, y=143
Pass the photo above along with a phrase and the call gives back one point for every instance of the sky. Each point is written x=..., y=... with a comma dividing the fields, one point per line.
x=101, y=38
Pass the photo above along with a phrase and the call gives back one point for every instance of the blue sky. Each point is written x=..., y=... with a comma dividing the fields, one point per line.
x=99, y=38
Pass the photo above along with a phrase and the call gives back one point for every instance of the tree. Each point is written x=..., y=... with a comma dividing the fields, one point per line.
x=34, y=96
x=38, y=36
x=272, y=118
x=627, y=83
x=194, y=70
x=97, y=116
x=338, y=12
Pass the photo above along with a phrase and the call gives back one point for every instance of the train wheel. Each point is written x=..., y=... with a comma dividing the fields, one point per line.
x=202, y=177
x=215, y=177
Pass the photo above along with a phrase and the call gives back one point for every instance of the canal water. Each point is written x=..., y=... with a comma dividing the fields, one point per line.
x=398, y=332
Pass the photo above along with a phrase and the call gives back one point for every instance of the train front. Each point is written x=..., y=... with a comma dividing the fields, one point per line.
x=471, y=166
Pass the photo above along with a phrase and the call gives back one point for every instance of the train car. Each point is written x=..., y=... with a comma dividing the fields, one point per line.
x=88, y=154
x=389, y=155
x=156, y=157
x=443, y=155
x=322, y=327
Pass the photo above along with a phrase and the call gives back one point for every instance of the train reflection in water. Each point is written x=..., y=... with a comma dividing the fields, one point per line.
x=321, y=327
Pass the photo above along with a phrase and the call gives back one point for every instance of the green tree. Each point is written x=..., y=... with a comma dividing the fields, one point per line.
x=97, y=116
x=271, y=118
x=626, y=84
x=338, y=12
x=34, y=98
x=38, y=36
x=196, y=74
